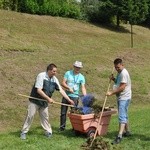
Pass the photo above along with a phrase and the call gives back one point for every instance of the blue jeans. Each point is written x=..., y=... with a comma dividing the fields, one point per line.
x=123, y=110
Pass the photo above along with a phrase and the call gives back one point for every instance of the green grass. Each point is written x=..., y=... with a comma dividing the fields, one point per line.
x=28, y=43
x=139, y=118
x=139, y=122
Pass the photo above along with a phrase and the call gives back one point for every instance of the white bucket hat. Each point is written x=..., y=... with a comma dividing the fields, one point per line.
x=78, y=64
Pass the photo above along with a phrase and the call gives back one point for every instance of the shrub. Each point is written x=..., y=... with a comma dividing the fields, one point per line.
x=65, y=8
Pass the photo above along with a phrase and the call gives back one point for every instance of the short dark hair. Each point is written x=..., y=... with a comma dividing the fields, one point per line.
x=51, y=66
x=118, y=61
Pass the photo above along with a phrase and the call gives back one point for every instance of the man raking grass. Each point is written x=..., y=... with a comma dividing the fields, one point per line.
x=46, y=83
x=122, y=89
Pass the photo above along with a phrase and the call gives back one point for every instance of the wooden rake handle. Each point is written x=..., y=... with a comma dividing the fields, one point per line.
x=39, y=99
x=99, y=120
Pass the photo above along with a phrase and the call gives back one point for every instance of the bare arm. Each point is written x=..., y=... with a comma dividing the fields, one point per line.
x=118, y=90
x=63, y=93
x=64, y=84
x=41, y=93
x=83, y=89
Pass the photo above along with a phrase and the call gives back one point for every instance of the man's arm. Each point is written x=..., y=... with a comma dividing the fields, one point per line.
x=64, y=84
x=63, y=93
x=83, y=89
x=117, y=90
x=42, y=94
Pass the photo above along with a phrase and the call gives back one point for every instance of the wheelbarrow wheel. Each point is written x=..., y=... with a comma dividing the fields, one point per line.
x=91, y=132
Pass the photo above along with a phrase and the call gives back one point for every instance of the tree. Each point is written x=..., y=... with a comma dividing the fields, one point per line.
x=104, y=11
x=136, y=11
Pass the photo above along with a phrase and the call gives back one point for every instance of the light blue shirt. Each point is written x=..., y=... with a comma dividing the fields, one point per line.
x=74, y=81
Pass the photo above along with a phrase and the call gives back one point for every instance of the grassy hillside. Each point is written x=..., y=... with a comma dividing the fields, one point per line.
x=28, y=43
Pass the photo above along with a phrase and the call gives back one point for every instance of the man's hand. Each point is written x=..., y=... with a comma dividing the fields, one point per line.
x=71, y=102
x=111, y=77
x=50, y=100
x=109, y=93
x=70, y=90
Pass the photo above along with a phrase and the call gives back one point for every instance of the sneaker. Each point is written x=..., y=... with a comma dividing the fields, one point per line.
x=127, y=134
x=48, y=134
x=23, y=136
x=117, y=140
x=61, y=129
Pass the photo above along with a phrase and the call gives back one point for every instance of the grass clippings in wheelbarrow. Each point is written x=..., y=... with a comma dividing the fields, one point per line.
x=99, y=144
x=90, y=105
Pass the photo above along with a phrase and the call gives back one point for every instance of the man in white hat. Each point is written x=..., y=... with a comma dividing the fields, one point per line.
x=73, y=81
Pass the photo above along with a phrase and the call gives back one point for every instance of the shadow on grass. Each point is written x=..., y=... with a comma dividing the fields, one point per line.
x=113, y=28
x=134, y=136
x=140, y=137
x=34, y=131
x=70, y=133
x=39, y=131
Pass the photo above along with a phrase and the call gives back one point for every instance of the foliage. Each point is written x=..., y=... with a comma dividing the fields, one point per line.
x=99, y=11
x=134, y=11
x=103, y=11
x=107, y=11
x=31, y=6
x=65, y=8
x=147, y=21
x=9, y=4
x=51, y=7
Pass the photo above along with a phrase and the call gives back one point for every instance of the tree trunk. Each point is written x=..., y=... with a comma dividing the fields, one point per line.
x=118, y=23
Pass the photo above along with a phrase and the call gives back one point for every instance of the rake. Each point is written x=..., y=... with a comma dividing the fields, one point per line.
x=99, y=120
x=39, y=99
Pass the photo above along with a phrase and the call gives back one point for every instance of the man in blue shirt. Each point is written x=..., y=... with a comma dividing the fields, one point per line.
x=73, y=81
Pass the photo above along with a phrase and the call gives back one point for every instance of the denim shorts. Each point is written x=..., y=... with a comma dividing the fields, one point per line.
x=123, y=110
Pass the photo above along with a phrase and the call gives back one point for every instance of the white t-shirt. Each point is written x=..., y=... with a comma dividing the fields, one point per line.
x=124, y=77
x=44, y=76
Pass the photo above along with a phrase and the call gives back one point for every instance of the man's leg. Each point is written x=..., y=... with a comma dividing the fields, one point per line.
x=121, y=128
x=44, y=117
x=123, y=115
x=63, y=114
x=29, y=118
x=127, y=129
x=122, y=120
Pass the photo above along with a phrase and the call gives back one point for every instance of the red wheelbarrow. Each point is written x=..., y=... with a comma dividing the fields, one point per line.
x=88, y=123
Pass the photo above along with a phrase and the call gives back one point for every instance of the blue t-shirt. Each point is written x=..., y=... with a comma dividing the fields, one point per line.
x=74, y=81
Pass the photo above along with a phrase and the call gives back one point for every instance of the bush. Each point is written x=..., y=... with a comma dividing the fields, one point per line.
x=50, y=8
x=64, y=8
x=70, y=10
x=28, y=6
x=5, y=4
x=96, y=11
x=9, y=4
x=1, y=4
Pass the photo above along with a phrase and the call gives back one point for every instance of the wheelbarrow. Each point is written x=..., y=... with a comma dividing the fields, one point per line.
x=87, y=124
